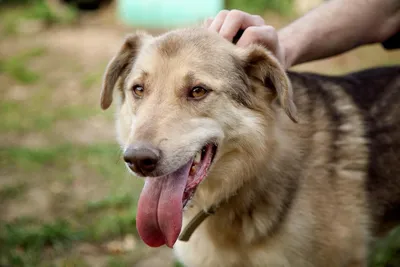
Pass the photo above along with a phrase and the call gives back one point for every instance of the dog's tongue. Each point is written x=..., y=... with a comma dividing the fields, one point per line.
x=159, y=215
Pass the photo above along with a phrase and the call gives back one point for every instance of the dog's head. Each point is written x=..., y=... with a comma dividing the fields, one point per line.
x=193, y=108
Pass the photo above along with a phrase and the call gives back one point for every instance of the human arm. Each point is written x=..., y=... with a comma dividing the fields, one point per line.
x=332, y=28
x=338, y=26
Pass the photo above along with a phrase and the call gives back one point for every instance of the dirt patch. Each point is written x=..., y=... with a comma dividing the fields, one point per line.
x=87, y=44
x=93, y=130
x=36, y=201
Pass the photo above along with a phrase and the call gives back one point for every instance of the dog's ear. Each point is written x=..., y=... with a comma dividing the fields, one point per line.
x=260, y=63
x=119, y=63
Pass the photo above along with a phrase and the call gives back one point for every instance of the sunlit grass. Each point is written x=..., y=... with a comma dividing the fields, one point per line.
x=13, y=191
x=16, y=66
x=38, y=115
x=12, y=13
x=259, y=6
x=24, y=242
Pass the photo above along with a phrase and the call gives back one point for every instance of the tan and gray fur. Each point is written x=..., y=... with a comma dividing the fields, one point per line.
x=307, y=171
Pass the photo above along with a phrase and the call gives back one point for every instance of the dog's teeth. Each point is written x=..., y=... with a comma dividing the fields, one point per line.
x=197, y=158
x=192, y=170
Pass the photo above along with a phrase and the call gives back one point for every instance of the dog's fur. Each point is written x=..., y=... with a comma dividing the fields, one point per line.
x=312, y=193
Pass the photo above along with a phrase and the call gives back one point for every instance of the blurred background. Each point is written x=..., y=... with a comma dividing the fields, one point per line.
x=65, y=196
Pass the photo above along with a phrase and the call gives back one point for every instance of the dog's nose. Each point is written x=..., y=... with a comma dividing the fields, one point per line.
x=142, y=158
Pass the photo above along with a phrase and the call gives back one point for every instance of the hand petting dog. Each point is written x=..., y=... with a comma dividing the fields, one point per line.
x=229, y=23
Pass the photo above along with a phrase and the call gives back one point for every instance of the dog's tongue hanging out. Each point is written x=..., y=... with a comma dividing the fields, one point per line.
x=159, y=216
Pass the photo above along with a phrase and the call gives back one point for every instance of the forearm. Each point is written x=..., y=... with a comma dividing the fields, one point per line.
x=338, y=26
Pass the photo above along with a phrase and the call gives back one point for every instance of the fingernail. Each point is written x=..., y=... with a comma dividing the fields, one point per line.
x=208, y=21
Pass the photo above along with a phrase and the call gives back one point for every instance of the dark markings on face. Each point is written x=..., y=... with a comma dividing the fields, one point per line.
x=240, y=89
x=122, y=80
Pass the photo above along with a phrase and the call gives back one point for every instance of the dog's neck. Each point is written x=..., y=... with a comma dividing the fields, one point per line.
x=256, y=211
x=196, y=221
x=264, y=197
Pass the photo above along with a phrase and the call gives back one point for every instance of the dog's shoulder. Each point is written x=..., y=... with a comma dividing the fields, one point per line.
x=365, y=87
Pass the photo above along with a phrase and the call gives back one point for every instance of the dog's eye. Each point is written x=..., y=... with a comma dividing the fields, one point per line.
x=197, y=92
x=138, y=90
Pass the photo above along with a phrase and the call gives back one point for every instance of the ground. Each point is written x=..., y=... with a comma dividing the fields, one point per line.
x=65, y=196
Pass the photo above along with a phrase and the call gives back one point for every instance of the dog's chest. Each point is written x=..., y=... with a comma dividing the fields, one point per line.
x=202, y=251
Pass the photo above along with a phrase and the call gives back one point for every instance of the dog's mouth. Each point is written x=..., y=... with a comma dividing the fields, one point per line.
x=198, y=171
x=161, y=203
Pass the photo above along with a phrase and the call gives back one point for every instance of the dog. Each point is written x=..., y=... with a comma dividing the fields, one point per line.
x=257, y=165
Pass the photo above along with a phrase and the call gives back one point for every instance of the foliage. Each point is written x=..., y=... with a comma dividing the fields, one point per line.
x=17, y=11
x=16, y=66
x=22, y=244
x=260, y=6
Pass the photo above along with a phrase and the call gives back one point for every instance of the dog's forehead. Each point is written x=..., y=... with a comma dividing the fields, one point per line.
x=194, y=39
x=188, y=50
x=191, y=45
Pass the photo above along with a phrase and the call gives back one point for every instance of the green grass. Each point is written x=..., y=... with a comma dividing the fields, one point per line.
x=39, y=10
x=91, y=79
x=12, y=13
x=30, y=242
x=119, y=201
x=34, y=243
x=102, y=157
x=17, y=66
x=115, y=224
x=23, y=244
x=178, y=264
x=32, y=116
x=260, y=6
x=10, y=192
x=387, y=251
x=117, y=262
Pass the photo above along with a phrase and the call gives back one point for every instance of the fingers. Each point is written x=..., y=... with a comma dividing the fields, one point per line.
x=265, y=35
x=228, y=23
x=236, y=20
x=218, y=20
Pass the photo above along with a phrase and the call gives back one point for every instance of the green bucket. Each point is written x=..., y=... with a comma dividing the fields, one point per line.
x=166, y=13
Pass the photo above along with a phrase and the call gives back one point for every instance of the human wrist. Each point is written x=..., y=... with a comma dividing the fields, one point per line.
x=288, y=48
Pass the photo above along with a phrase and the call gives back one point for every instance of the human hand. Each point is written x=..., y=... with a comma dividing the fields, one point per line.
x=229, y=23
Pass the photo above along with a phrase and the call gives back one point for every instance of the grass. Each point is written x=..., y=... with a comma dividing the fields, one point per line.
x=91, y=79
x=28, y=244
x=17, y=66
x=119, y=201
x=178, y=264
x=31, y=242
x=40, y=10
x=64, y=156
x=10, y=192
x=22, y=245
x=13, y=13
x=21, y=117
x=116, y=262
x=15, y=119
x=284, y=7
x=387, y=251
